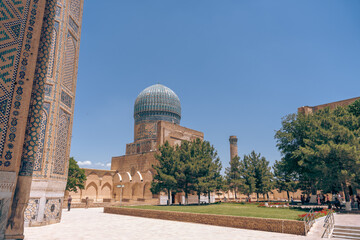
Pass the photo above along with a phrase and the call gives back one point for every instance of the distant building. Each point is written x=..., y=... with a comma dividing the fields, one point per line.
x=157, y=115
x=332, y=105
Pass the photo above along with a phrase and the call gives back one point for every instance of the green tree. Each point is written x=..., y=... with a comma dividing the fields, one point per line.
x=285, y=180
x=76, y=177
x=247, y=175
x=322, y=148
x=261, y=174
x=186, y=171
x=233, y=177
x=164, y=178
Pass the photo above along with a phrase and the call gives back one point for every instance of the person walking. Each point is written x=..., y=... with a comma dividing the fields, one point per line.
x=69, y=202
x=86, y=202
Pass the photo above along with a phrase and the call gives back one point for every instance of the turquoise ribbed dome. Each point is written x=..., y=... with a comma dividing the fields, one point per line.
x=157, y=102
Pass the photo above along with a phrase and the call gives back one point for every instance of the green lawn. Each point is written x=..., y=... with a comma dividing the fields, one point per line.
x=233, y=209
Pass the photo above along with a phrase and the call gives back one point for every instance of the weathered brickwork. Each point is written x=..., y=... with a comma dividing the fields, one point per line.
x=309, y=110
x=263, y=224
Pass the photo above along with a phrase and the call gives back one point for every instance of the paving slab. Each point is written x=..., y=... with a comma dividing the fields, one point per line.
x=92, y=223
x=347, y=219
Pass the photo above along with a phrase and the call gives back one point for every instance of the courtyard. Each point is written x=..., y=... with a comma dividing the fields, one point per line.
x=235, y=209
x=92, y=223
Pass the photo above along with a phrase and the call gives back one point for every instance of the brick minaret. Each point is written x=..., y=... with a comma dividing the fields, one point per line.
x=233, y=147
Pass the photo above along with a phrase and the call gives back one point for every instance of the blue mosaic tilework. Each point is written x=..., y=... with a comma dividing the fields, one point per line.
x=36, y=103
x=51, y=141
x=66, y=99
x=69, y=63
x=32, y=209
x=48, y=90
x=41, y=141
x=58, y=11
x=52, y=209
x=52, y=50
x=13, y=17
x=73, y=25
x=75, y=9
x=157, y=102
x=62, y=133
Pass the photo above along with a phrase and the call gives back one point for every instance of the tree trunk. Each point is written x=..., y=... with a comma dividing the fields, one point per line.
x=235, y=193
x=198, y=198
x=267, y=195
x=257, y=196
x=168, y=201
x=346, y=192
x=288, y=195
x=186, y=196
x=209, y=196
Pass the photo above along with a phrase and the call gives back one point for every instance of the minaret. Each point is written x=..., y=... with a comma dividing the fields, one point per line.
x=233, y=147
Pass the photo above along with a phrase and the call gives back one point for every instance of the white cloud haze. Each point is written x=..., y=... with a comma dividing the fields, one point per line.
x=84, y=163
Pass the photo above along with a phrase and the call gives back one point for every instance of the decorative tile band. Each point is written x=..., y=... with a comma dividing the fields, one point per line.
x=36, y=102
x=66, y=99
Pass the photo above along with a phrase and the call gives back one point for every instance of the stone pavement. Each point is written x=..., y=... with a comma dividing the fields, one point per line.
x=89, y=224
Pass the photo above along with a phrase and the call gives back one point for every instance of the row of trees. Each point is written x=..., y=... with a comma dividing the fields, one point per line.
x=321, y=151
x=249, y=175
x=193, y=166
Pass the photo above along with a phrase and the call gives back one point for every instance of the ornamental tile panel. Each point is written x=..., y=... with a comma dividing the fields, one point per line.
x=69, y=62
x=32, y=209
x=52, y=209
x=62, y=132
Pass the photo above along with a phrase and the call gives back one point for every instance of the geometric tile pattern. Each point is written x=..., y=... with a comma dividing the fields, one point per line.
x=13, y=17
x=36, y=102
x=48, y=90
x=75, y=9
x=73, y=25
x=52, y=209
x=41, y=141
x=66, y=99
x=60, y=160
x=32, y=209
x=69, y=63
x=52, y=51
x=155, y=102
x=58, y=11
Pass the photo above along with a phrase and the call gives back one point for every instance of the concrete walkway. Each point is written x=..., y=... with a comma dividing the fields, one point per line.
x=92, y=223
x=347, y=219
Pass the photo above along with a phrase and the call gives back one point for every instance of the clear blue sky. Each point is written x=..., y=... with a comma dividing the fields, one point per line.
x=237, y=66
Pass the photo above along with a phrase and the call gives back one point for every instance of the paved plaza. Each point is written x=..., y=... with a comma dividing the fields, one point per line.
x=94, y=224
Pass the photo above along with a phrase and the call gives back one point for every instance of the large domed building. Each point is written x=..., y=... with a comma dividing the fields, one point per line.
x=157, y=115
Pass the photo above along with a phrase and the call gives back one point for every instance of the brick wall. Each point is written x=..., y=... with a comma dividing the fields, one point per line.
x=263, y=224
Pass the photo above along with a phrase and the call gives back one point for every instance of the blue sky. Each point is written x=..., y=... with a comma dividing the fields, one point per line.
x=237, y=66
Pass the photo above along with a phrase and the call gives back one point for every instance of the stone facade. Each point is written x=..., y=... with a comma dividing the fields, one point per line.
x=52, y=157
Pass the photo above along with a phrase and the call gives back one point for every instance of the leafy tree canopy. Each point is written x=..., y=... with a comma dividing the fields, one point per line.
x=76, y=176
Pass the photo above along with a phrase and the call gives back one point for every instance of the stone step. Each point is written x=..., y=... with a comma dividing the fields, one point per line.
x=344, y=237
x=343, y=230
x=346, y=227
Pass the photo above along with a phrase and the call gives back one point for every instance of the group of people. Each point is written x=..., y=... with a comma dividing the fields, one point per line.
x=322, y=199
x=70, y=200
